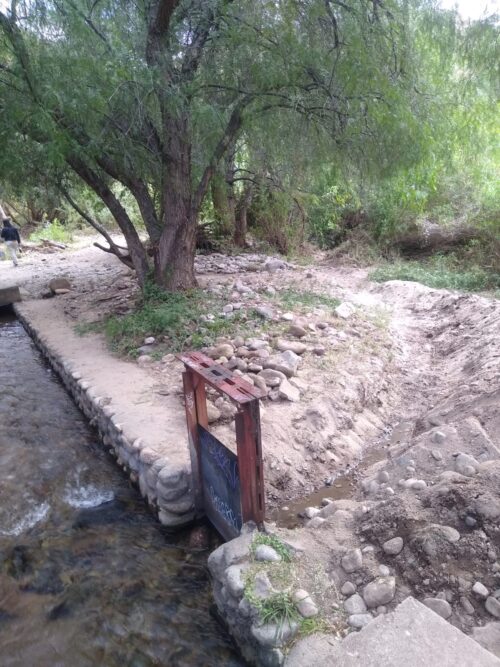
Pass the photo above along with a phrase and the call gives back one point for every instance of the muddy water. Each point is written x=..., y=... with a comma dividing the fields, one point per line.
x=346, y=484
x=87, y=576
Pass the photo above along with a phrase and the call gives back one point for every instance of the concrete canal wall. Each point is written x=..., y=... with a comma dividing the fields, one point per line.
x=149, y=442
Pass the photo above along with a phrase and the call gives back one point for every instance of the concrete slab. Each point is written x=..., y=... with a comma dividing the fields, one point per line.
x=9, y=295
x=411, y=636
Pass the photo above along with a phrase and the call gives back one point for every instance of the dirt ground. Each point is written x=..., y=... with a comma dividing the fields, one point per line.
x=405, y=378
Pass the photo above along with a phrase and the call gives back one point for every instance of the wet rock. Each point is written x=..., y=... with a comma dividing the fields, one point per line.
x=348, y=588
x=266, y=553
x=275, y=634
x=355, y=604
x=359, y=621
x=289, y=392
x=45, y=582
x=311, y=512
x=492, y=606
x=199, y=538
x=393, y=547
x=297, y=331
x=439, y=606
x=480, y=590
x=292, y=345
x=305, y=604
x=352, y=560
x=379, y=592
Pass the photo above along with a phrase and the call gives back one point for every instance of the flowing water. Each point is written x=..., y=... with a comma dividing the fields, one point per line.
x=87, y=576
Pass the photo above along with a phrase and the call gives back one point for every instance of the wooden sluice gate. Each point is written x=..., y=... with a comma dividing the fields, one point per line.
x=228, y=487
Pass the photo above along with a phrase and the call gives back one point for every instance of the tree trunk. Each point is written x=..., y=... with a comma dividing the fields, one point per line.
x=240, y=223
x=223, y=205
x=175, y=251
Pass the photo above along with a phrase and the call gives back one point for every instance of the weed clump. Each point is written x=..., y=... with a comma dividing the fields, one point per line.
x=440, y=273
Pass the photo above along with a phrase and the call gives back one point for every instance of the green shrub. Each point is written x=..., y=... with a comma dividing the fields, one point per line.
x=53, y=231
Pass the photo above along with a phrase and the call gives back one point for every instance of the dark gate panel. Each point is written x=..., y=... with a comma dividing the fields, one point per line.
x=221, y=484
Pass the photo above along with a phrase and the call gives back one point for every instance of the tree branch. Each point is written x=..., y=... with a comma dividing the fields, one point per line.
x=113, y=247
x=232, y=128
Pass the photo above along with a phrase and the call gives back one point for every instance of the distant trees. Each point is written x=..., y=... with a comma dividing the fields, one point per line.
x=154, y=104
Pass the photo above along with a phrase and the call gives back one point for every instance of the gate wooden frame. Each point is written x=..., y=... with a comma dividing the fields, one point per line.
x=199, y=371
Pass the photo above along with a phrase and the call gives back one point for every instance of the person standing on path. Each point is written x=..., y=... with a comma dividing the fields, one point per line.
x=12, y=239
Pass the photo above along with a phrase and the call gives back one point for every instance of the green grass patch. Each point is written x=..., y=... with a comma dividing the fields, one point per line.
x=53, y=231
x=175, y=319
x=278, y=608
x=441, y=274
x=275, y=543
x=292, y=299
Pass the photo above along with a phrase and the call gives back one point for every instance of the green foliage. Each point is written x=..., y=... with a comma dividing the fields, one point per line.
x=314, y=625
x=275, y=543
x=439, y=272
x=176, y=317
x=292, y=299
x=327, y=212
x=53, y=231
x=278, y=608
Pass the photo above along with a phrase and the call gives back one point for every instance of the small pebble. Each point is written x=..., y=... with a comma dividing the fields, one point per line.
x=266, y=553
x=480, y=590
x=348, y=588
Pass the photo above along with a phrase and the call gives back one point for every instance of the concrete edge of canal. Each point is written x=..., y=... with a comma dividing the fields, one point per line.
x=164, y=484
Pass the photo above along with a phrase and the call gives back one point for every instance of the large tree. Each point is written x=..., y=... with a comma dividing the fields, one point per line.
x=153, y=94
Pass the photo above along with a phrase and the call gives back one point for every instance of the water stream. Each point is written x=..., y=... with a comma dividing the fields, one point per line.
x=87, y=576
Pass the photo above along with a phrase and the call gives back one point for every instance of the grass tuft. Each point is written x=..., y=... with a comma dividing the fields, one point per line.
x=292, y=299
x=176, y=318
x=275, y=543
x=440, y=273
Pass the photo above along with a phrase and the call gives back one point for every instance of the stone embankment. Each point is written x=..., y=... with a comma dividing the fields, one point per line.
x=157, y=463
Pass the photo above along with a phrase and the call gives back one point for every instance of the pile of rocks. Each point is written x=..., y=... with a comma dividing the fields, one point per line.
x=241, y=573
x=218, y=263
